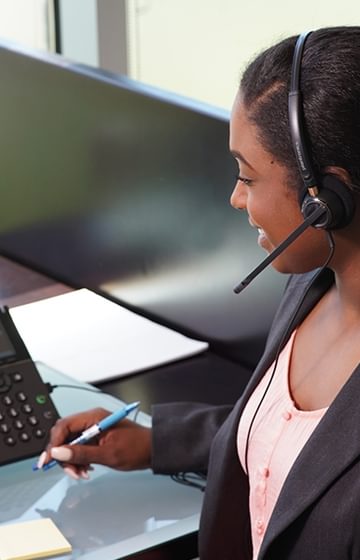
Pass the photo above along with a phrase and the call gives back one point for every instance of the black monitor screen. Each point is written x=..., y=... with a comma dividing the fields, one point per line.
x=124, y=189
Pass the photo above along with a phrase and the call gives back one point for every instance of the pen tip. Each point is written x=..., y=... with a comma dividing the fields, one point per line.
x=133, y=405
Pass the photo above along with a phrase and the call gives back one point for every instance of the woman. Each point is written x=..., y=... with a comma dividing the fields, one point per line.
x=296, y=428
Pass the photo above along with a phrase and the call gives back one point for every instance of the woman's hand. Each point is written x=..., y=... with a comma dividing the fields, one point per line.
x=126, y=446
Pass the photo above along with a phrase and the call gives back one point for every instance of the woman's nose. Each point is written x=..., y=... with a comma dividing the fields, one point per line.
x=238, y=197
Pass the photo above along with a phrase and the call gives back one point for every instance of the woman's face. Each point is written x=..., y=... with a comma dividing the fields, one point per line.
x=263, y=190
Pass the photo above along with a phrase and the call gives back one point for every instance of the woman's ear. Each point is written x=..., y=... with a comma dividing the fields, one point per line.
x=342, y=174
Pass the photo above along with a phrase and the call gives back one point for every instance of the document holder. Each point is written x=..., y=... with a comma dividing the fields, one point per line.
x=26, y=408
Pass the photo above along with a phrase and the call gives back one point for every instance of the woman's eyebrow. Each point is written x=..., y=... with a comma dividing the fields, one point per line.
x=237, y=155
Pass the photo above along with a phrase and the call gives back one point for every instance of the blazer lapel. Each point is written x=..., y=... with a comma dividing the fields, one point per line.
x=337, y=436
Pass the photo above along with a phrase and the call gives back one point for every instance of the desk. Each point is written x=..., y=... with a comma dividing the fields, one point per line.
x=115, y=515
x=206, y=378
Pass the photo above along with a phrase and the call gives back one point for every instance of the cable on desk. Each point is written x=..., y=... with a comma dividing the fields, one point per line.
x=51, y=387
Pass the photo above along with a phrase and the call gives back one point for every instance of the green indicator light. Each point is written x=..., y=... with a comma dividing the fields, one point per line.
x=41, y=399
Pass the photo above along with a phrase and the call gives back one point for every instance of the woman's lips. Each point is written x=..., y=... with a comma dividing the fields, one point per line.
x=261, y=238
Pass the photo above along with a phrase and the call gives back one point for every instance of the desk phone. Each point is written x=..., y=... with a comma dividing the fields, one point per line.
x=26, y=408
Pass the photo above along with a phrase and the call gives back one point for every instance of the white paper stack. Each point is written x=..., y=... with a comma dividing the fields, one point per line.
x=93, y=339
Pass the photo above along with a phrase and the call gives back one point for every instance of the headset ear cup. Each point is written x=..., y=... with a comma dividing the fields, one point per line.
x=337, y=200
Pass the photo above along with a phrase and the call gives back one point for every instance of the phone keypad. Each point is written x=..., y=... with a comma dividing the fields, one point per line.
x=26, y=412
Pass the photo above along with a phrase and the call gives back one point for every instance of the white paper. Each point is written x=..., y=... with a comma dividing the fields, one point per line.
x=93, y=339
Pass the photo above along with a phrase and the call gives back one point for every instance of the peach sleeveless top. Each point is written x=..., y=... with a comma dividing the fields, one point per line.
x=279, y=432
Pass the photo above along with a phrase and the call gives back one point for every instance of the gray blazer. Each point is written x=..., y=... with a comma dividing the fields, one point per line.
x=317, y=515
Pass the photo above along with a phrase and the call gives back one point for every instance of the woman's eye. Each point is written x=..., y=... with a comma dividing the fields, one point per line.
x=244, y=180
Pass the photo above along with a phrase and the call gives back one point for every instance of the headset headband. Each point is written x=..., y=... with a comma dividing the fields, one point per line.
x=296, y=119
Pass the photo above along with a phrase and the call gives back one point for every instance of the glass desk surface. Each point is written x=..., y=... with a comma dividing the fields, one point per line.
x=114, y=514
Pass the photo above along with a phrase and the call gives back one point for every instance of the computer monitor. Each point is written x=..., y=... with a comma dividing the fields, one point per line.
x=124, y=188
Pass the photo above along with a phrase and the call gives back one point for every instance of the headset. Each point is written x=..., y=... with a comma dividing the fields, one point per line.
x=329, y=200
x=326, y=203
x=327, y=192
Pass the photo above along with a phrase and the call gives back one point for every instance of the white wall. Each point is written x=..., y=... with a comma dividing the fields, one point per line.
x=198, y=47
x=26, y=22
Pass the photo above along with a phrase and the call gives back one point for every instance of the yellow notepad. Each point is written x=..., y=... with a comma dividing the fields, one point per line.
x=32, y=539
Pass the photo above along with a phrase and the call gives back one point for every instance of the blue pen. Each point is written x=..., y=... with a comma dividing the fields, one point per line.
x=94, y=430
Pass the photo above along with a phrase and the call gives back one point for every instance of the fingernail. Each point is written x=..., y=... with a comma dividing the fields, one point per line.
x=70, y=472
x=61, y=453
x=84, y=474
x=41, y=460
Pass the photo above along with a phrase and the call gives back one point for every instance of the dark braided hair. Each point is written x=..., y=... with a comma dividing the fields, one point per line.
x=330, y=85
